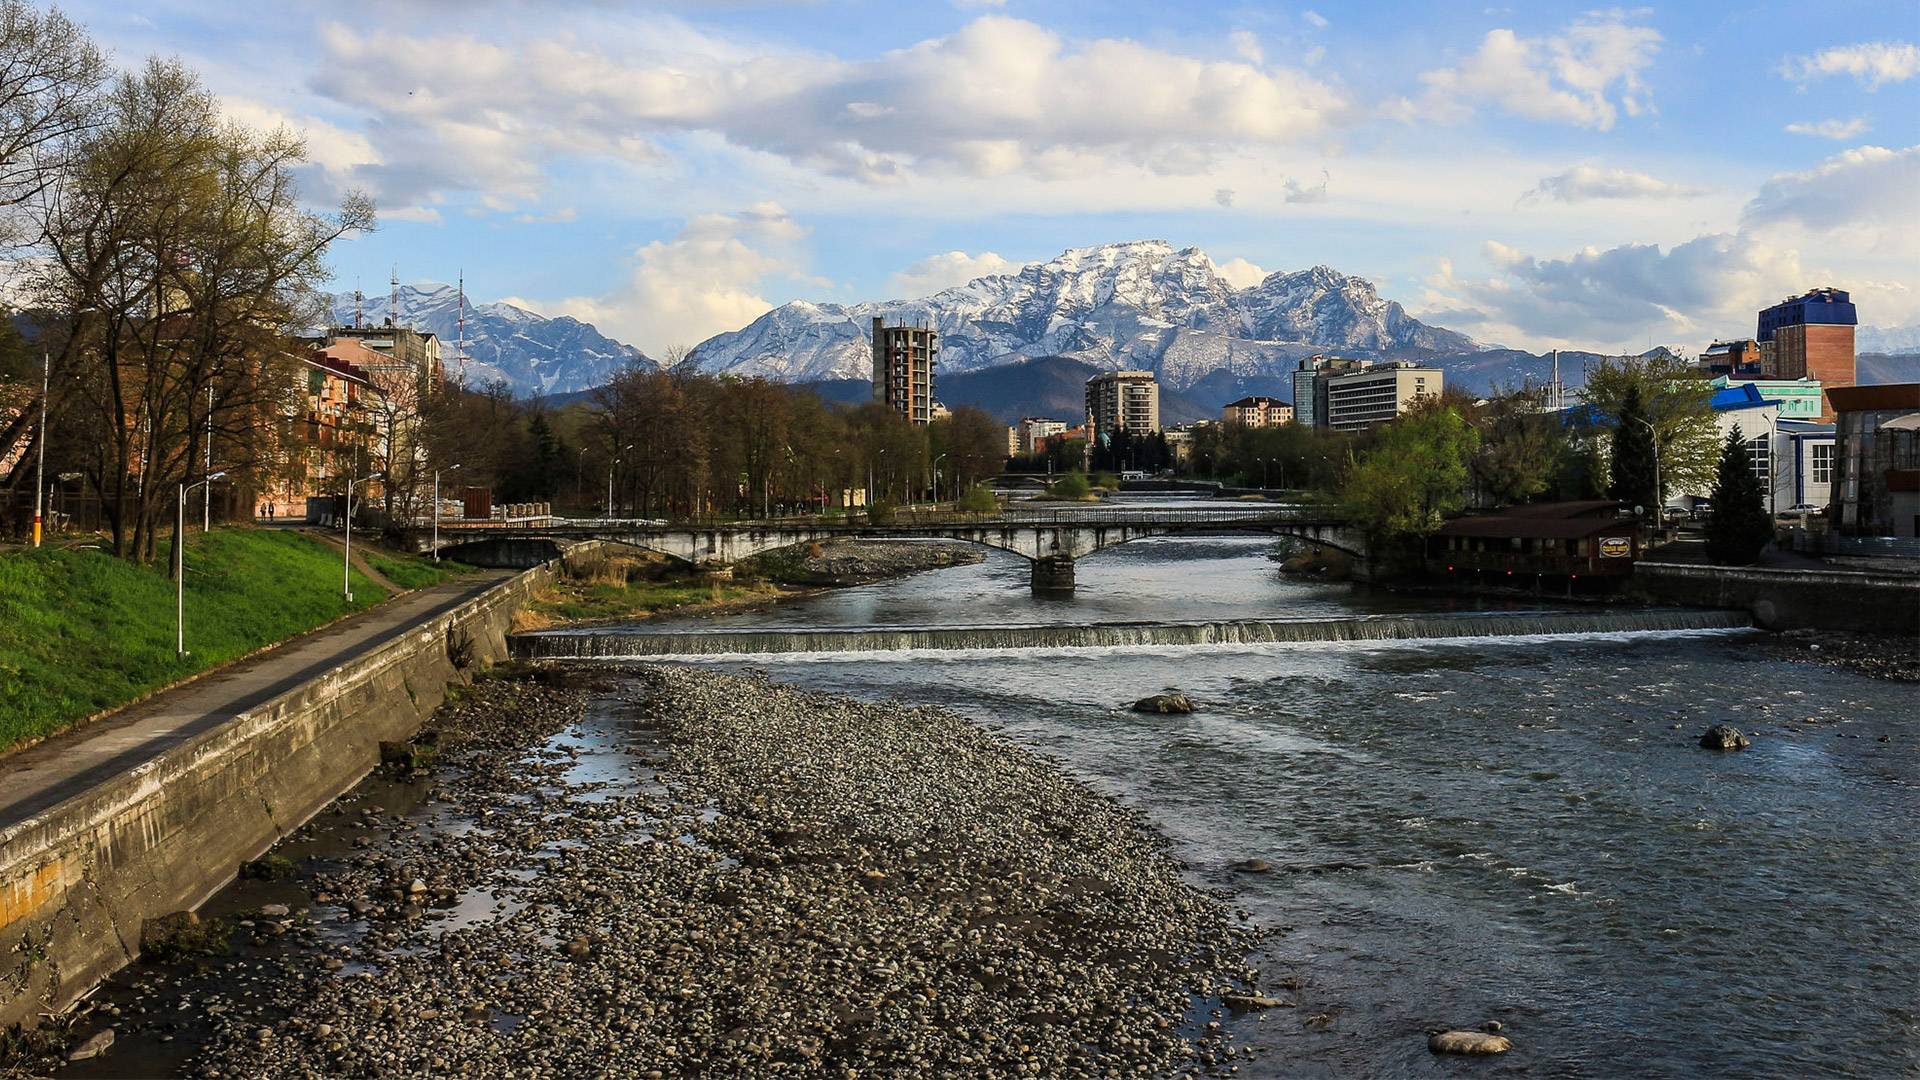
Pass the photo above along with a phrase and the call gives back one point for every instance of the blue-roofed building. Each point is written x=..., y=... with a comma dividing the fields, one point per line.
x=1810, y=336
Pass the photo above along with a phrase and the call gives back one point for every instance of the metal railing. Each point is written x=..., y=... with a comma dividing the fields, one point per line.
x=1808, y=542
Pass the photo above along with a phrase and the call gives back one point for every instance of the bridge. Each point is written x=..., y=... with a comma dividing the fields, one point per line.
x=1050, y=540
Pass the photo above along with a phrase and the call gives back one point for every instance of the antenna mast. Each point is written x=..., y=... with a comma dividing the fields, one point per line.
x=393, y=298
x=359, y=318
x=460, y=347
x=1555, y=396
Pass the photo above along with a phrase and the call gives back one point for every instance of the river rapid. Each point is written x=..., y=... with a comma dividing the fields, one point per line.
x=1514, y=829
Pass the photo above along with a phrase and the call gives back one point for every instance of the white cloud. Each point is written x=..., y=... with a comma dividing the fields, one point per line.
x=1829, y=129
x=1619, y=297
x=1584, y=182
x=1240, y=273
x=1296, y=192
x=1246, y=46
x=943, y=271
x=1318, y=20
x=1868, y=187
x=1586, y=75
x=1873, y=64
x=1223, y=196
x=707, y=279
x=998, y=96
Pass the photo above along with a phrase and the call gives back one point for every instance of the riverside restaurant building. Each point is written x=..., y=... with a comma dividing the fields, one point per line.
x=1575, y=546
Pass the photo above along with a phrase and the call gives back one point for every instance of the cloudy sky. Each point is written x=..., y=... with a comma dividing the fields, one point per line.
x=1529, y=174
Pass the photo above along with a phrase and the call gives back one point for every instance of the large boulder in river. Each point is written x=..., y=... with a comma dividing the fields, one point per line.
x=1468, y=1042
x=1164, y=703
x=1725, y=737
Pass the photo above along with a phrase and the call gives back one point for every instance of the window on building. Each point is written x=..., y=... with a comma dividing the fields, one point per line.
x=1822, y=469
x=1760, y=454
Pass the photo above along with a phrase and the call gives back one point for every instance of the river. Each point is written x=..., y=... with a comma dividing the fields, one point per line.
x=1516, y=829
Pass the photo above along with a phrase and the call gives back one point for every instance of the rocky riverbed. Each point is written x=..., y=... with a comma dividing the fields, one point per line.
x=839, y=563
x=768, y=881
x=1878, y=656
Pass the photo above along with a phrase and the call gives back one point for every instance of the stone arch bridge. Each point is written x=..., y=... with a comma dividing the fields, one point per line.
x=1052, y=542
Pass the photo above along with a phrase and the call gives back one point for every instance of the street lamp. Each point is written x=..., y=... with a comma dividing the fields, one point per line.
x=610, y=471
x=346, y=562
x=180, y=564
x=206, y=496
x=436, y=509
x=936, y=480
x=1659, y=493
x=40, y=467
x=870, y=497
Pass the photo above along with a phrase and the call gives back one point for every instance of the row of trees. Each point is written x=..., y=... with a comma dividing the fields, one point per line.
x=680, y=443
x=162, y=258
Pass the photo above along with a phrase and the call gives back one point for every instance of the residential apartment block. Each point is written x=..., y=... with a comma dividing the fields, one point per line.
x=903, y=364
x=1256, y=412
x=1310, y=386
x=1123, y=401
x=1877, y=460
x=1810, y=337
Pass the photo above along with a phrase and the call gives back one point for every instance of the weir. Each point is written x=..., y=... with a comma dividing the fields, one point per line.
x=605, y=645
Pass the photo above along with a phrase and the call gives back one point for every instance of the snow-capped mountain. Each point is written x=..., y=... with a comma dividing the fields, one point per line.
x=1141, y=304
x=533, y=353
x=1887, y=339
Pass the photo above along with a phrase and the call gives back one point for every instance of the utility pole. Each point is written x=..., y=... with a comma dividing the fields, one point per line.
x=611, y=469
x=460, y=349
x=40, y=465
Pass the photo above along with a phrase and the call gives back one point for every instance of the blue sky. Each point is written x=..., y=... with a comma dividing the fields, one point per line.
x=1529, y=174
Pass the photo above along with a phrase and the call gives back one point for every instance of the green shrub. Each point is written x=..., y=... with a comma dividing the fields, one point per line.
x=1071, y=486
x=979, y=500
x=1106, y=481
x=882, y=512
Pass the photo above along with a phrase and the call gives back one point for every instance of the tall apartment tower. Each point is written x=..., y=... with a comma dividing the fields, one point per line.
x=1811, y=337
x=903, y=369
x=1122, y=401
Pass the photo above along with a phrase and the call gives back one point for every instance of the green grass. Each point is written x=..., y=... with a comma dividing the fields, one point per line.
x=82, y=631
x=411, y=573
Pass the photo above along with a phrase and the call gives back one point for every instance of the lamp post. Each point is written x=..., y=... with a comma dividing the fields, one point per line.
x=936, y=480
x=1773, y=475
x=346, y=562
x=40, y=465
x=206, y=494
x=180, y=564
x=1659, y=496
x=436, y=509
x=611, y=469
x=871, y=499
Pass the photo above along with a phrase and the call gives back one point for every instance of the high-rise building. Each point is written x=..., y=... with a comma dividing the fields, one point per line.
x=1810, y=336
x=1365, y=397
x=1126, y=401
x=903, y=369
x=1310, y=386
x=1256, y=412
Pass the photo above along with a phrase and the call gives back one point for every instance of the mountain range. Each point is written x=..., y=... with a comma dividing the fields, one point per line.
x=534, y=354
x=1015, y=344
x=1139, y=305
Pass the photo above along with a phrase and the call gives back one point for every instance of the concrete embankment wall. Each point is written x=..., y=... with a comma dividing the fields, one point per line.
x=616, y=646
x=1790, y=599
x=78, y=879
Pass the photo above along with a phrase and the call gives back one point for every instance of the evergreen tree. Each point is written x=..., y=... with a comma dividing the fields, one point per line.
x=1738, y=526
x=1635, y=466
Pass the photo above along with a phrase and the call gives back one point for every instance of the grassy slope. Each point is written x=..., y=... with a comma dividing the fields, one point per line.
x=81, y=631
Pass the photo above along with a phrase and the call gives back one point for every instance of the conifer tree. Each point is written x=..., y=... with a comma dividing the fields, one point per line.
x=1634, y=466
x=1738, y=526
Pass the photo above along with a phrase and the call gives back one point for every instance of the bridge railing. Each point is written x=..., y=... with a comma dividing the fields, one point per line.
x=1022, y=518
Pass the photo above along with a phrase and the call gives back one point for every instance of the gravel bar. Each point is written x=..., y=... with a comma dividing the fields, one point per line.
x=772, y=882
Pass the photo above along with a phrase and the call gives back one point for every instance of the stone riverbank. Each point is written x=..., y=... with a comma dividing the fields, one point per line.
x=730, y=878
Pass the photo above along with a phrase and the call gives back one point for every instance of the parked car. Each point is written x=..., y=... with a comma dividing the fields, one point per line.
x=1801, y=513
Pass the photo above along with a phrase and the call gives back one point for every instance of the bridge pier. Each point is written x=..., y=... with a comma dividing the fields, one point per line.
x=1053, y=576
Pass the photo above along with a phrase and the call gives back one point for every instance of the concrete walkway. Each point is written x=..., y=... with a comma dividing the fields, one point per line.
x=67, y=764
